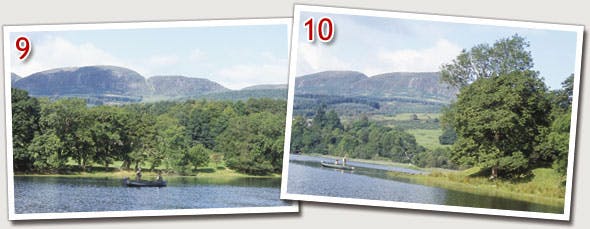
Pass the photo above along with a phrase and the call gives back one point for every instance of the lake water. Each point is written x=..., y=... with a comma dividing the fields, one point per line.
x=368, y=181
x=63, y=194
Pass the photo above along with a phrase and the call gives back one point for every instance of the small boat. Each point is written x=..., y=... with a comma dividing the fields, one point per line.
x=337, y=166
x=144, y=183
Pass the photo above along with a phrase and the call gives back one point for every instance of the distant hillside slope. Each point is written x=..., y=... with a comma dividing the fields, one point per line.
x=415, y=85
x=328, y=83
x=14, y=78
x=91, y=80
x=182, y=86
x=266, y=87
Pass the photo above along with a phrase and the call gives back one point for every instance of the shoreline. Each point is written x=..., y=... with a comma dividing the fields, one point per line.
x=221, y=174
x=533, y=191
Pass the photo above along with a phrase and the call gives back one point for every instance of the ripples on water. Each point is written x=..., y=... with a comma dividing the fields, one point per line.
x=60, y=194
x=368, y=181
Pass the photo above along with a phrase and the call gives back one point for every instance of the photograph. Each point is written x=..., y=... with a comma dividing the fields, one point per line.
x=432, y=112
x=146, y=118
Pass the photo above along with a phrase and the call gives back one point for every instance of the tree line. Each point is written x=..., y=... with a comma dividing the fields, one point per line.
x=176, y=136
x=364, y=139
x=325, y=134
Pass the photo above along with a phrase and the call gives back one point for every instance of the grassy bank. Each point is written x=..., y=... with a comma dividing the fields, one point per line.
x=211, y=171
x=544, y=186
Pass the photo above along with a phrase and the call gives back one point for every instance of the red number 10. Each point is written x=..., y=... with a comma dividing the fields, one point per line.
x=324, y=23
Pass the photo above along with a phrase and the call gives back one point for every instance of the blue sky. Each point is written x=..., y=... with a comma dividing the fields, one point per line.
x=375, y=45
x=235, y=56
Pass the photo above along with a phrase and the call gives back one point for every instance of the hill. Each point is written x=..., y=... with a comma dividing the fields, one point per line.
x=415, y=85
x=91, y=80
x=353, y=93
x=14, y=78
x=328, y=83
x=182, y=86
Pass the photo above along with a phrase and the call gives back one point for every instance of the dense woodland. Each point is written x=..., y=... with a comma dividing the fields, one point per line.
x=177, y=137
x=504, y=120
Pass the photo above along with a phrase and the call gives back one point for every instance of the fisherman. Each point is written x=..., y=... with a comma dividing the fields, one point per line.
x=159, y=176
x=344, y=161
x=336, y=162
x=138, y=174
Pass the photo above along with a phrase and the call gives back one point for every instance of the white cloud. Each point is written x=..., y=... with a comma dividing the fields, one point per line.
x=240, y=76
x=313, y=58
x=56, y=52
x=197, y=55
x=273, y=71
x=414, y=60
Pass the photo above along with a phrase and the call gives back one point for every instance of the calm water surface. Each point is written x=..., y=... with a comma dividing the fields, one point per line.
x=368, y=181
x=62, y=194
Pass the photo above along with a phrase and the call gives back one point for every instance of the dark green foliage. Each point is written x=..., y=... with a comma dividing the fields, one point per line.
x=437, y=158
x=505, y=119
x=324, y=134
x=498, y=121
x=448, y=137
x=254, y=143
x=555, y=144
x=25, y=125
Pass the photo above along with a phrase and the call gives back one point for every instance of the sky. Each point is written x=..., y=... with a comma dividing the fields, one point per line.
x=375, y=45
x=235, y=56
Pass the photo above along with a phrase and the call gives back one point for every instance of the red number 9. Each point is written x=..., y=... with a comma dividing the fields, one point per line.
x=24, y=46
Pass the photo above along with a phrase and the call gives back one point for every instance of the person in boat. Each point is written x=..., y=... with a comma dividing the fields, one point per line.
x=336, y=162
x=344, y=161
x=138, y=174
x=159, y=177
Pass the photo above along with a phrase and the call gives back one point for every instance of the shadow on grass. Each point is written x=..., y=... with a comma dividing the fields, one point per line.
x=523, y=177
x=206, y=170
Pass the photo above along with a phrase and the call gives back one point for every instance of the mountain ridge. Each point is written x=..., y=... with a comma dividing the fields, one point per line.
x=104, y=84
x=424, y=85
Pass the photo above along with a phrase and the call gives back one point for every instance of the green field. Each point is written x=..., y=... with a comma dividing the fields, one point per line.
x=427, y=138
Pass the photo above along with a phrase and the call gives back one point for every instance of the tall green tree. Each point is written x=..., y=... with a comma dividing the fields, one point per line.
x=198, y=156
x=485, y=61
x=68, y=120
x=497, y=121
x=25, y=125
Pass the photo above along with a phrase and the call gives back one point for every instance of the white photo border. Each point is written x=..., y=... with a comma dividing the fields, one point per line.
x=579, y=30
x=9, y=29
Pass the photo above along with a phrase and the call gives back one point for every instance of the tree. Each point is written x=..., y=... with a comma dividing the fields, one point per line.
x=554, y=147
x=448, y=137
x=172, y=144
x=47, y=151
x=484, y=61
x=253, y=144
x=198, y=156
x=497, y=121
x=67, y=119
x=333, y=121
x=25, y=125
